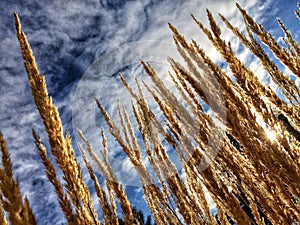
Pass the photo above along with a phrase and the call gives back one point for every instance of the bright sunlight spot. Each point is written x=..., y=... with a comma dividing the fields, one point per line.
x=271, y=134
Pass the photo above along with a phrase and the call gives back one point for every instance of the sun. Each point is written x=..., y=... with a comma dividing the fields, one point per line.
x=270, y=134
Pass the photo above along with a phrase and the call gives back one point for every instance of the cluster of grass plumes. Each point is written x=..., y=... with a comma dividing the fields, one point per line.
x=19, y=211
x=239, y=166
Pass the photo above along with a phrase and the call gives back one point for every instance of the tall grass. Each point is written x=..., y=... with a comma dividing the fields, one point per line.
x=243, y=165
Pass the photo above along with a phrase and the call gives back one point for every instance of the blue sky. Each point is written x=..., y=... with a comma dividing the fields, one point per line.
x=72, y=38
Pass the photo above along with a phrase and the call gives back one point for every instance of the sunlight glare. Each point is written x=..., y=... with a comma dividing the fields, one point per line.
x=271, y=134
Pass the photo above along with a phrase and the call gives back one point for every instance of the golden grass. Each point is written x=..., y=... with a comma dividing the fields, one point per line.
x=19, y=211
x=243, y=164
x=61, y=146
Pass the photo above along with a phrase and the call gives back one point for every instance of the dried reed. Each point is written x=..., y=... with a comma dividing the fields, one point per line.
x=252, y=180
